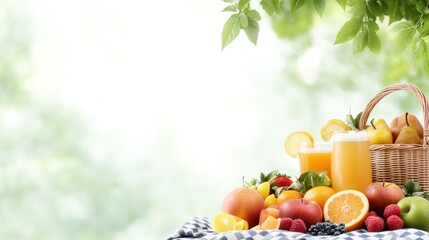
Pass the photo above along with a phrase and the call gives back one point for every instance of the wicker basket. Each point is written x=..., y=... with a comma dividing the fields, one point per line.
x=400, y=163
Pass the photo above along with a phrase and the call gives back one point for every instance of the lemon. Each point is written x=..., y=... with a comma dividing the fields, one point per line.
x=292, y=142
x=331, y=126
x=223, y=222
x=264, y=189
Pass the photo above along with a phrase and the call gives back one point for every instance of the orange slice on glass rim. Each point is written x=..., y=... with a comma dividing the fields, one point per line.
x=332, y=126
x=349, y=207
x=293, y=141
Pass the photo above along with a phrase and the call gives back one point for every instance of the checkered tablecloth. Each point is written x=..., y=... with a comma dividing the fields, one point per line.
x=200, y=227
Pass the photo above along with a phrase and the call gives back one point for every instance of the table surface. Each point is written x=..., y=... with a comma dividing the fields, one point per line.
x=200, y=227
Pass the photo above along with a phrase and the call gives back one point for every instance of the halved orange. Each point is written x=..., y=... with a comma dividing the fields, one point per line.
x=331, y=126
x=349, y=207
x=293, y=141
x=271, y=223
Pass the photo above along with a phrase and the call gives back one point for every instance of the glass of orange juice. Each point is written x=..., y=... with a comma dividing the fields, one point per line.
x=350, y=161
x=315, y=156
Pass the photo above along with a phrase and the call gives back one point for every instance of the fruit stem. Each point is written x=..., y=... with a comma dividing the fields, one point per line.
x=406, y=118
x=372, y=124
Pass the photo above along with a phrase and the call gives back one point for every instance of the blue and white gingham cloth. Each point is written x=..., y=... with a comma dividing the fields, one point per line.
x=200, y=227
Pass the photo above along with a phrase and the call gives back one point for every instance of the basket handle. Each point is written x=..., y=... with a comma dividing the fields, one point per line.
x=393, y=88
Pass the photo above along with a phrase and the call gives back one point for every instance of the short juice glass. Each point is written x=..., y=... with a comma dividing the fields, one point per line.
x=315, y=156
x=350, y=163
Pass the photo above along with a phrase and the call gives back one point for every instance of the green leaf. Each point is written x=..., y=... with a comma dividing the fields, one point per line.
x=230, y=30
x=252, y=31
x=360, y=42
x=242, y=4
x=270, y=6
x=295, y=4
x=359, y=11
x=414, y=189
x=319, y=6
x=374, y=44
x=375, y=8
x=349, y=30
x=424, y=57
x=356, y=2
x=309, y=180
x=357, y=120
x=350, y=122
x=372, y=26
x=342, y=3
x=254, y=15
x=402, y=26
x=230, y=8
x=394, y=11
x=243, y=20
x=405, y=37
x=421, y=6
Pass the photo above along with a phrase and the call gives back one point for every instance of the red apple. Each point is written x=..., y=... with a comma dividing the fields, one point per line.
x=381, y=194
x=309, y=211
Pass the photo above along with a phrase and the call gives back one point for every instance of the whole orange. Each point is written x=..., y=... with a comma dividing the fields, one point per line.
x=288, y=195
x=245, y=203
x=319, y=194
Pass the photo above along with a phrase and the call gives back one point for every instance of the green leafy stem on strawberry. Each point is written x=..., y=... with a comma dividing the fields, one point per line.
x=278, y=181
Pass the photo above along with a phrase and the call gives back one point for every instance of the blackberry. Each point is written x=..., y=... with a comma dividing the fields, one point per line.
x=326, y=228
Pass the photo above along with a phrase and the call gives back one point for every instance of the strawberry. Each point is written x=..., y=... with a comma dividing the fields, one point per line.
x=282, y=180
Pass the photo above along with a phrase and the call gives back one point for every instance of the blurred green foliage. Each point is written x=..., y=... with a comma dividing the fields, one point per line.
x=301, y=28
x=49, y=187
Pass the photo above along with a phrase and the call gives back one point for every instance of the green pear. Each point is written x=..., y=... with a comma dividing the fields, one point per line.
x=415, y=212
x=379, y=132
x=408, y=134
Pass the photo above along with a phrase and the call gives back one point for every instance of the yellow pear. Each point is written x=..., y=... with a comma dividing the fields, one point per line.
x=408, y=134
x=379, y=132
x=401, y=121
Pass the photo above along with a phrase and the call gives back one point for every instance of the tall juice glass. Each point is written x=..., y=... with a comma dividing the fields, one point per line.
x=315, y=156
x=350, y=161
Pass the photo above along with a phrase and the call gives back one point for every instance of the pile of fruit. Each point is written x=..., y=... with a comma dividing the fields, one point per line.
x=309, y=205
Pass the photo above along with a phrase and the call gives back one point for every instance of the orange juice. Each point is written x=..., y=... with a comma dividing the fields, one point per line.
x=350, y=161
x=315, y=156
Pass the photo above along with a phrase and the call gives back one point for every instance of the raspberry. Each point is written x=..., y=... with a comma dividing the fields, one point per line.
x=372, y=213
x=394, y=222
x=285, y=223
x=298, y=226
x=374, y=224
x=392, y=209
